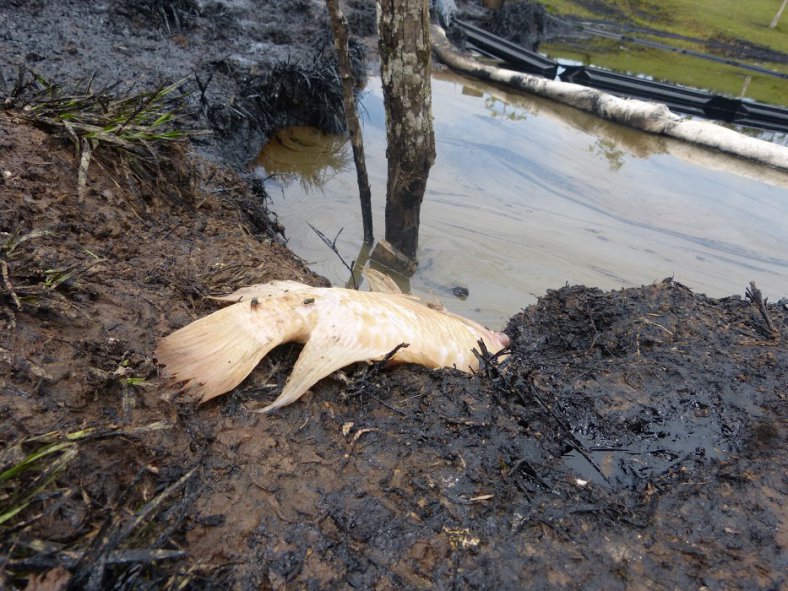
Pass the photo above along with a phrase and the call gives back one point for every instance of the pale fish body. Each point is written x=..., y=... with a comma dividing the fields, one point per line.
x=338, y=327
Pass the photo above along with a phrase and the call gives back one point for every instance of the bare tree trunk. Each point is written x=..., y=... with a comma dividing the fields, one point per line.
x=339, y=26
x=405, y=63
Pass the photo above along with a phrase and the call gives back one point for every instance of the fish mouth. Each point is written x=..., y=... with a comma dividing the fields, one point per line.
x=503, y=339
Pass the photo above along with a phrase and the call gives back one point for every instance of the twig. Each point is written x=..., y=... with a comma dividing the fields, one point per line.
x=383, y=362
x=754, y=295
x=572, y=441
x=70, y=559
x=84, y=164
x=389, y=406
x=490, y=364
x=362, y=379
x=92, y=564
x=7, y=283
x=332, y=244
x=522, y=465
x=379, y=365
x=346, y=457
x=203, y=87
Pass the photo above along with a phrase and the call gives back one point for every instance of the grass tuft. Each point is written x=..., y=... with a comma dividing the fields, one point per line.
x=55, y=519
x=171, y=15
x=138, y=137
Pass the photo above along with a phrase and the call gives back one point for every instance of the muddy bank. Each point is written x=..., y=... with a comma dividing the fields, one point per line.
x=248, y=68
x=636, y=439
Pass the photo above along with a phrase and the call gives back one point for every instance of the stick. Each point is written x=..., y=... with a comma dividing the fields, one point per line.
x=754, y=295
x=9, y=288
x=777, y=16
x=339, y=27
x=332, y=244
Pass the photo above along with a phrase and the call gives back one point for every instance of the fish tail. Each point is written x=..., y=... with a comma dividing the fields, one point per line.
x=213, y=354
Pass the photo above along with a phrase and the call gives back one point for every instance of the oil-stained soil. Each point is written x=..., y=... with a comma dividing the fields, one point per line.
x=634, y=439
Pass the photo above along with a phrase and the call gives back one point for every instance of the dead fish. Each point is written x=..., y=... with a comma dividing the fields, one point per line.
x=338, y=327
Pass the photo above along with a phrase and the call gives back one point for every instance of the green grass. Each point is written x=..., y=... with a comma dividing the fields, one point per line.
x=703, y=19
x=49, y=456
x=136, y=136
x=726, y=19
x=718, y=20
x=41, y=483
x=680, y=69
x=126, y=122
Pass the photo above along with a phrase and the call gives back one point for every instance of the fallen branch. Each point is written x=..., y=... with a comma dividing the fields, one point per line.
x=755, y=297
x=332, y=244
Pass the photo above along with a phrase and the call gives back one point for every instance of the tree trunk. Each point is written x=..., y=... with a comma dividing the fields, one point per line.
x=405, y=63
x=339, y=27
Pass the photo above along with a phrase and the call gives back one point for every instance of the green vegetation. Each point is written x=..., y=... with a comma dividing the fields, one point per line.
x=680, y=69
x=690, y=25
x=46, y=490
x=136, y=136
x=38, y=283
x=705, y=20
x=36, y=469
x=122, y=121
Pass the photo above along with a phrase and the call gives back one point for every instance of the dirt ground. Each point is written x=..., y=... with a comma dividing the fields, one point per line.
x=635, y=439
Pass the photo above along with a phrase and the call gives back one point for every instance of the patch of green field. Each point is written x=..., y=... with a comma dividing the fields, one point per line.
x=704, y=19
x=676, y=68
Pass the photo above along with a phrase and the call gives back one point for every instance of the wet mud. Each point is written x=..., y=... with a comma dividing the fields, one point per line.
x=634, y=439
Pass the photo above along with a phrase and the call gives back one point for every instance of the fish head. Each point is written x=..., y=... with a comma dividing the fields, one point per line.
x=501, y=339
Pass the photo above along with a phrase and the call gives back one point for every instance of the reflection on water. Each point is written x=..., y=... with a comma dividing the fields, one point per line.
x=609, y=151
x=304, y=153
x=526, y=196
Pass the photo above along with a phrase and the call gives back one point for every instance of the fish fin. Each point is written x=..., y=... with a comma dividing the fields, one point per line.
x=214, y=354
x=262, y=290
x=380, y=282
x=318, y=359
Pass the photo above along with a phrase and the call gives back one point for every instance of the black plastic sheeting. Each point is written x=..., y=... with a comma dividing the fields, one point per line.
x=519, y=57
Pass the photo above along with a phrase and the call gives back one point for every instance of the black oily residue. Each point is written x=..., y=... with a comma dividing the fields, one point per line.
x=670, y=400
x=249, y=68
x=302, y=92
x=634, y=438
x=655, y=415
x=520, y=22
